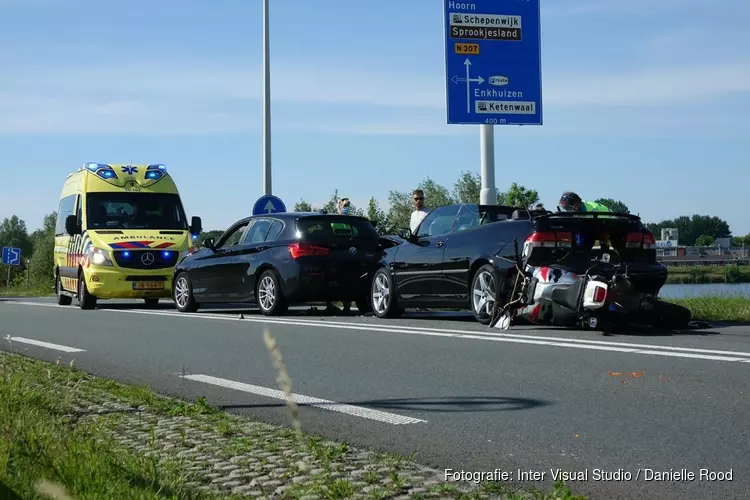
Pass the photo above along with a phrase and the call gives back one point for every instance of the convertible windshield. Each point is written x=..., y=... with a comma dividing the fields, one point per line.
x=135, y=211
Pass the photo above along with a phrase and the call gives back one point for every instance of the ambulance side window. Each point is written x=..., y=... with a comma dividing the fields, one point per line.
x=67, y=206
x=79, y=214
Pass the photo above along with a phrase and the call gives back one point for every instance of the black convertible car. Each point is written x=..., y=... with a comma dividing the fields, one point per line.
x=463, y=255
x=281, y=259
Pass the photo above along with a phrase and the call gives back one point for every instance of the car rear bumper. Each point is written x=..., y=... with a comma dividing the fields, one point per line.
x=328, y=283
x=129, y=283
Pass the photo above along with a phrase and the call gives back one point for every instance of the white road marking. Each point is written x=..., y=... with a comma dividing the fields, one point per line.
x=600, y=345
x=48, y=345
x=357, y=411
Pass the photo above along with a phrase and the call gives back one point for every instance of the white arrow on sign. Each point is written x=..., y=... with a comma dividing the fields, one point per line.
x=468, y=81
x=14, y=256
x=269, y=207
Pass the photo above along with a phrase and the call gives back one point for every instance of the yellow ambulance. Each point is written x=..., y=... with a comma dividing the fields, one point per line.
x=120, y=231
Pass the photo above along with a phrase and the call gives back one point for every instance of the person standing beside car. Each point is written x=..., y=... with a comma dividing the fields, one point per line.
x=344, y=208
x=419, y=212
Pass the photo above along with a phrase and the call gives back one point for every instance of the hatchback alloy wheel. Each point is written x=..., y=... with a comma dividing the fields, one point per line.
x=181, y=292
x=267, y=293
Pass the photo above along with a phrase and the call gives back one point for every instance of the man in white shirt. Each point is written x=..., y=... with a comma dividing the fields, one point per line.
x=419, y=212
x=417, y=215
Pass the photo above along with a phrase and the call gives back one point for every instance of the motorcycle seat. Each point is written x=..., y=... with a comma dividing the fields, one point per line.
x=567, y=296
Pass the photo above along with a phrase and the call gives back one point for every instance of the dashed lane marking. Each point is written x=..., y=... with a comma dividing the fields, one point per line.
x=357, y=411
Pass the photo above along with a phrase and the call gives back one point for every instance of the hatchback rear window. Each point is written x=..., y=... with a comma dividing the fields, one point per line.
x=326, y=228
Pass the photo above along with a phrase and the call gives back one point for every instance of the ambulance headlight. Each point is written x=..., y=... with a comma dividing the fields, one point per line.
x=98, y=257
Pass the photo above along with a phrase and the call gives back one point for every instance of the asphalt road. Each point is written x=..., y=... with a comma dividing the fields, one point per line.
x=460, y=395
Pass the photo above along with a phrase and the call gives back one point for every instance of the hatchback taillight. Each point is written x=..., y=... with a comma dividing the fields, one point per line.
x=297, y=250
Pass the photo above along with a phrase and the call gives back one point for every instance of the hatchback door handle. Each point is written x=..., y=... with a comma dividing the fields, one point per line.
x=439, y=244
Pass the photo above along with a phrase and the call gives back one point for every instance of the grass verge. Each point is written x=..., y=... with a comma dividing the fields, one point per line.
x=92, y=437
x=22, y=291
x=46, y=449
x=716, y=309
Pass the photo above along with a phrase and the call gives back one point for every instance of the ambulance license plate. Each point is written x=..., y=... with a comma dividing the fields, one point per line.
x=148, y=285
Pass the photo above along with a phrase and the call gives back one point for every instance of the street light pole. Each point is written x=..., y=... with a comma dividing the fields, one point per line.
x=488, y=193
x=266, y=104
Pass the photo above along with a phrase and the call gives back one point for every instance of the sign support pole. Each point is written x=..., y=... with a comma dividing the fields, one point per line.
x=488, y=194
x=266, y=103
x=7, y=285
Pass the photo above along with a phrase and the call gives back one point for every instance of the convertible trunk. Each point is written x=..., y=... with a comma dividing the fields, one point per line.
x=571, y=240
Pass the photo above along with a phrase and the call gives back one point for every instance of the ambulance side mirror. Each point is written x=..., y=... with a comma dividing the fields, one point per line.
x=71, y=225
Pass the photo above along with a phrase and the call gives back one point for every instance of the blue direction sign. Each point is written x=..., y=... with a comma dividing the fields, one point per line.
x=268, y=204
x=11, y=256
x=493, y=62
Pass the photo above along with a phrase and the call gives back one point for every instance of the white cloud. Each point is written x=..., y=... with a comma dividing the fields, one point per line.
x=642, y=8
x=184, y=99
x=665, y=86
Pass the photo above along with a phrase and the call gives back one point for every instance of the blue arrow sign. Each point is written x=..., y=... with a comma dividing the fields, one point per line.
x=268, y=204
x=11, y=256
x=493, y=62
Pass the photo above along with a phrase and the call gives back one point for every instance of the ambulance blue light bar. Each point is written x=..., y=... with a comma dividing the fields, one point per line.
x=102, y=170
x=155, y=172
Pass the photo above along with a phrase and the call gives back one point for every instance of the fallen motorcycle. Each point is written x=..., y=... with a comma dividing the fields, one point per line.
x=588, y=288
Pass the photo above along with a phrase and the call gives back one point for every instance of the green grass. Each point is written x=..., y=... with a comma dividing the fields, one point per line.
x=22, y=291
x=43, y=444
x=708, y=274
x=716, y=309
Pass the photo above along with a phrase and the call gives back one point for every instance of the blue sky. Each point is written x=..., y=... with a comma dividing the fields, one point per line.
x=643, y=101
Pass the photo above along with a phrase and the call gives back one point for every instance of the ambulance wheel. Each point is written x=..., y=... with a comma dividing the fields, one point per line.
x=63, y=300
x=85, y=299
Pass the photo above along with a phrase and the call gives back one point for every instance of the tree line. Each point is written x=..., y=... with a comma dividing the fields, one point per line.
x=37, y=251
x=695, y=230
x=37, y=247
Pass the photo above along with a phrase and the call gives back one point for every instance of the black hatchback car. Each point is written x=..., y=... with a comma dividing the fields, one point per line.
x=281, y=259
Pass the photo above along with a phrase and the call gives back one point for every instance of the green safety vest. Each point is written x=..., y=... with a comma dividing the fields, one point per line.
x=592, y=206
x=342, y=227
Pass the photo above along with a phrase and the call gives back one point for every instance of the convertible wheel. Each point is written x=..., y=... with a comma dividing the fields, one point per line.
x=384, y=303
x=268, y=295
x=484, y=293
x=182, y=294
